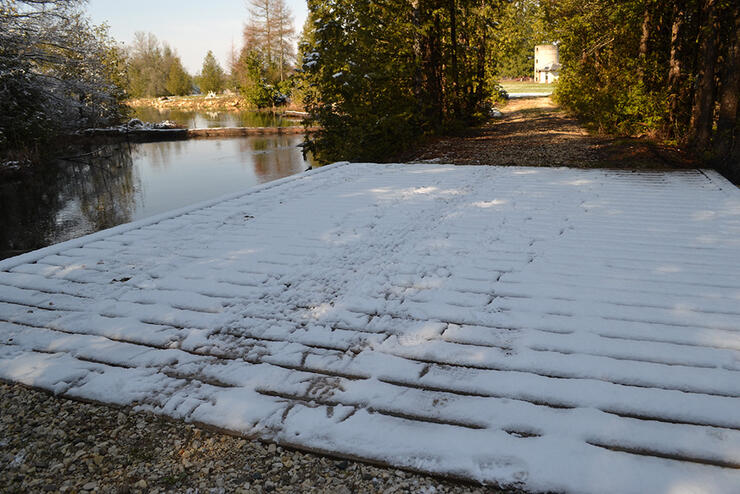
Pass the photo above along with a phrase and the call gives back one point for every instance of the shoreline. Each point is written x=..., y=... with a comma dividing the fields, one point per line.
x=199, y=102
x=159, y=135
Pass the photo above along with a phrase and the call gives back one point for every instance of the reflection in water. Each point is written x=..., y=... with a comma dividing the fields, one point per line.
x=270, y=156
x=111, y=185
x=210, y=119
x=67, y=199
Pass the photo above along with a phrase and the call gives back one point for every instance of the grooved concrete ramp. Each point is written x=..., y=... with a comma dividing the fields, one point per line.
x=553, y=329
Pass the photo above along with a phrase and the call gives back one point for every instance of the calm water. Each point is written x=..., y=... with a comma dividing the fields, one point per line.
x=201, y=119
x=111, y=185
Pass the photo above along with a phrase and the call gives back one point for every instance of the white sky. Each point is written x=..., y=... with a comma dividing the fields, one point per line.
x=192, y=28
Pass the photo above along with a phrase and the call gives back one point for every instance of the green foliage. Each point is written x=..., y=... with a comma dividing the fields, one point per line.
x=520, y=27
x=667, y=69
x=250, y=76
x=146, y=75
x=601, y=76
x=378, y=75
x=262, y=72
x=212, y=77
x=623, y=106
x=179, y=82
x=154, y=69
x=362, y=64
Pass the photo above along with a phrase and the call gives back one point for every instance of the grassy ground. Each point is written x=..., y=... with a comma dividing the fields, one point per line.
x=527, y=87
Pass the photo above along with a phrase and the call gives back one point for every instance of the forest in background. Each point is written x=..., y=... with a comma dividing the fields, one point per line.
x=60, y=73
x=377, y=76
x=666, y=69
x=261, y=69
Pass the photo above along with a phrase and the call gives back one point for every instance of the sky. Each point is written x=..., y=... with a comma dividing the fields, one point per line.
x=192, y=28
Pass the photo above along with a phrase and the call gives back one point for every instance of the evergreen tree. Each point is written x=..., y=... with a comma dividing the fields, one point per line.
x=251, y=80
x=179, y=82
x=644, y=66
x=146, y=73
x=263, y=70
x=212, y=77
x=378, y=75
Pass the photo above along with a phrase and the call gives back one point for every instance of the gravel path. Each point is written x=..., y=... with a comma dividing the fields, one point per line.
x=535, y=132
x=50, y=444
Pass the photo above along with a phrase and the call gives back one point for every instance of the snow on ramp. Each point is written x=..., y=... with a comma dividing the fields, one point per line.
x=551, y=329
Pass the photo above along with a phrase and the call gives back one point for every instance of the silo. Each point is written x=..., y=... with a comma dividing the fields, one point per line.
x=545, y=61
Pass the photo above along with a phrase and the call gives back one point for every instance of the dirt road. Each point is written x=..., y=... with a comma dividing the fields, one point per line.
x=535, y=132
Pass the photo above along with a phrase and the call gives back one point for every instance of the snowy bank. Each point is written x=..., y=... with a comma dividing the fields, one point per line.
x=554, y=329
x=137, y=130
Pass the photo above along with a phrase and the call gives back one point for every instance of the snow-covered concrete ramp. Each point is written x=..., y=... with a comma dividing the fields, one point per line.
x=556, y=329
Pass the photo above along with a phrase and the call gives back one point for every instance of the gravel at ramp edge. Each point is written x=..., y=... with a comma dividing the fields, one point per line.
x=50, y=444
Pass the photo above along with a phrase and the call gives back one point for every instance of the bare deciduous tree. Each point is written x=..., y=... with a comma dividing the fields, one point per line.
x=270, y=32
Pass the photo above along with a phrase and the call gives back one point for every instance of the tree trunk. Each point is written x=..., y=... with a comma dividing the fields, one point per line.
x=644, y=39
x=419, y=54
x=727, y=132
x=675, y=71
x=481, y=72
x=455, y=74
x=433, y=72
x=702, y=114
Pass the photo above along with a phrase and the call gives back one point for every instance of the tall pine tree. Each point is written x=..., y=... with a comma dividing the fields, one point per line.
x=212, y=76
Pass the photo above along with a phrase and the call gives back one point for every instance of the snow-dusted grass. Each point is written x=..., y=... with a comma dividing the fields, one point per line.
x=557, y=329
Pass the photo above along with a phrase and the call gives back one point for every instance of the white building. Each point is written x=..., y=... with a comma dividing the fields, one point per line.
x=546, y=63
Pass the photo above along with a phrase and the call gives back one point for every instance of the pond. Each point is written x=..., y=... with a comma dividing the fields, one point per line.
x=210, y=119
x=110, y=185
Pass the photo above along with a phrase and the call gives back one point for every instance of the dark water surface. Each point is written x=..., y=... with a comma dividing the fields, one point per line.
x=111, y=185
x=205, y=119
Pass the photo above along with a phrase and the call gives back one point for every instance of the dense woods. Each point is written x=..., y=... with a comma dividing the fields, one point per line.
x=261, y=69
x=378, y=75
x=671, y=69
x=57, y=73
